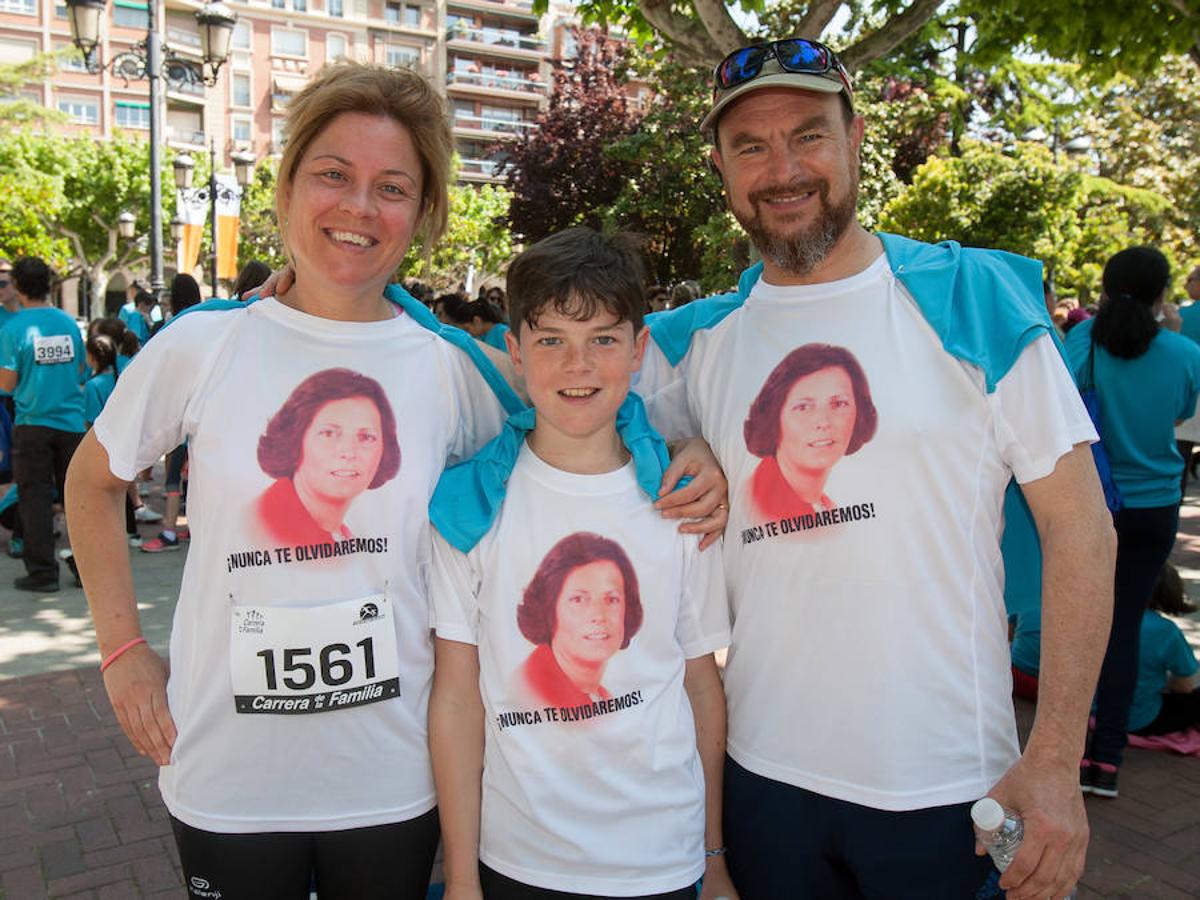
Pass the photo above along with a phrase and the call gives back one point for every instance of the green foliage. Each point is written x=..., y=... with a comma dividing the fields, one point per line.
x=477, y=233
x=258, y=231
x=1026, y=202
x=15, y=110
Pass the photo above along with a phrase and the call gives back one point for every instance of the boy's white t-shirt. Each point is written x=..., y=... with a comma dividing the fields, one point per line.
x=333, y=614
x=870, y=657
x=585, y=790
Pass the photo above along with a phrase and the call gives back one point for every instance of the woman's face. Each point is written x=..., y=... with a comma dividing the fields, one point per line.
x=817, y=420
x=341, y=449
x=354, y=203
x=590, y=613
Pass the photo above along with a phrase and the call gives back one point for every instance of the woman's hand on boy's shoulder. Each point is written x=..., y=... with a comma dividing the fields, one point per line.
x=704, y=501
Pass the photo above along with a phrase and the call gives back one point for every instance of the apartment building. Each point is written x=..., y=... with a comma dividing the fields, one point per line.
x=489, y=57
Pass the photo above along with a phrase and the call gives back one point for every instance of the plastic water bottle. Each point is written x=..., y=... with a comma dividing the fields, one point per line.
x=1000, y=831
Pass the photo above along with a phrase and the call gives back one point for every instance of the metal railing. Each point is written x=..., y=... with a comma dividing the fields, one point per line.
x=180, y=37
x=185, y=136
x=503, y=82
x=494, y=38
x=500, y=126
x=468, y=166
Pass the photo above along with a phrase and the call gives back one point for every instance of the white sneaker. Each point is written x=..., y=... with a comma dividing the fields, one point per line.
x=135, y=540
x=145, y=488
x=146, y=514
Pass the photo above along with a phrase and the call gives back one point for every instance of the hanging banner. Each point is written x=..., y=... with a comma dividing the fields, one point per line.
x=192, y=207
x=229, y=197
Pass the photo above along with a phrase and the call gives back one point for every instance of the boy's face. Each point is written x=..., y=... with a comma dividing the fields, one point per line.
x=577, y=372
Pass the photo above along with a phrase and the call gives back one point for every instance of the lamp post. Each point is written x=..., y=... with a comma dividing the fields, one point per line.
x=146, y=61
x=243, y=167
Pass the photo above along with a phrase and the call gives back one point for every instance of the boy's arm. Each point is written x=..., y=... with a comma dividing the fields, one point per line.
x=1181, y=684
x=456, y=744
x=707, y=696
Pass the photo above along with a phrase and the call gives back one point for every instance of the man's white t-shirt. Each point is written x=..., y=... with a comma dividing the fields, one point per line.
x=301, y=660
x=592, y=788
x=870, y=659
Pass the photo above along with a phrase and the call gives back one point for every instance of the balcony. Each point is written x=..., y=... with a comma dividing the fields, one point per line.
x=501, y=40
x=472, y=169
x=528, y=86
x=519, y=9
x=188, y=136
x=493, y=126
x=183, y=39
x=186, y=90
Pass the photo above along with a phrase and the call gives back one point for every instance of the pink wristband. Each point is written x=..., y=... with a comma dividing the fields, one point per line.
x=116, y=654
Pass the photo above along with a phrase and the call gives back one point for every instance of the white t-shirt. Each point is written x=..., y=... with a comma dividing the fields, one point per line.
x=592, y=782
x=869, y=660
x=316, y=622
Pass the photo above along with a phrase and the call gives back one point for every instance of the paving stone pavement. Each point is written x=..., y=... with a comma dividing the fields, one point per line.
x=81, y=816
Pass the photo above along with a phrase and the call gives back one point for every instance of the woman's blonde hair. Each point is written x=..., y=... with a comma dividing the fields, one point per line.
x=399, y=94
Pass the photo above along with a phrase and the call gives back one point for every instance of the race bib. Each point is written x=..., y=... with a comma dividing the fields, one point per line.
x=53, y=349
x=321, y=659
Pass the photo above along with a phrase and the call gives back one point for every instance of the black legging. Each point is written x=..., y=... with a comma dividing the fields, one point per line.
x=1144, y=541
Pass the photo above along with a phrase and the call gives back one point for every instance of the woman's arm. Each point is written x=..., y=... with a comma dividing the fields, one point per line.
x=137, y=680
x=707, y=696
x=456, y=744
x=1181, y=684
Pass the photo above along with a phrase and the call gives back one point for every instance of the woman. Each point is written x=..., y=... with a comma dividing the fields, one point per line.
x=1146, y=378
x=284, y=697
x=581, y=607
x=292, y=729
x=814, y=408
x=334, y=438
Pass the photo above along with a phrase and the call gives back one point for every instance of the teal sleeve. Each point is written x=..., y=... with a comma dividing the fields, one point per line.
x=1181, y=661
x=8, y=350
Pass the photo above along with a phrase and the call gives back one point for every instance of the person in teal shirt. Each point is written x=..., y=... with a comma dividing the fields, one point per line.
x=42, y=362
x=8, y=309
x=1147, y=378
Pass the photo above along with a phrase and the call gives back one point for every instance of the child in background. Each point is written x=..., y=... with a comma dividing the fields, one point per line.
x=552, y=783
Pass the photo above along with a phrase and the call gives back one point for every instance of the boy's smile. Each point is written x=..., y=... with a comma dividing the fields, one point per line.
x=577, y=374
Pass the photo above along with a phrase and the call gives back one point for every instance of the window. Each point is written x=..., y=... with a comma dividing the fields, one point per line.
x=300, y=5
x=402, y=56
x=335, y=47
x=81, y=111
x=279, y=4
x=24, y=7
x=71, y=59
x=277, y=138
x=239, y=89
x=129, y=14
x=243, y=130
x=391, y=13
x=131, y=114
x=241, y=36
x=60, y=11
x=289, y=43
x=335, y=8
x=14, y=51
x=411, y=16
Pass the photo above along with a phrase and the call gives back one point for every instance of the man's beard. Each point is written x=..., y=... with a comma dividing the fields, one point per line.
x=799, y=252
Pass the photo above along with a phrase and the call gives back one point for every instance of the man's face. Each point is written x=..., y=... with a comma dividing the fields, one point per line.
x=8, y=290
x=1193, y=284
x=789, y=161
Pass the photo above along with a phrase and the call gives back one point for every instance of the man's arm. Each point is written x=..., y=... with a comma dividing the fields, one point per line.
x=8, y=380
x=1079, y=553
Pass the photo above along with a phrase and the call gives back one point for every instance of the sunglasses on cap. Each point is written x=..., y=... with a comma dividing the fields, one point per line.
x=796, y=55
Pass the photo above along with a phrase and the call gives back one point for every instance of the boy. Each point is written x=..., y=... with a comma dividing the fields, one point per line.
x=577, y=719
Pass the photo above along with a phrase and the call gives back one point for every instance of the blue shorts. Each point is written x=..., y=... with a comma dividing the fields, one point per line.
x=785, y=841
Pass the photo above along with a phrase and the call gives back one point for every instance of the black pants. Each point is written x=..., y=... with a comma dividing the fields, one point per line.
x=384, y=862
x=40, y=458
x=501, y=887
x=1179, y=712
x=785, y=841
x=1144, y=541
x=1185, y=449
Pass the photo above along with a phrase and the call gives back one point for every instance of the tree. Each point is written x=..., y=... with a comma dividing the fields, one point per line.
x=16, y=110
x=85, y=185
x=258, y=230
x=477, y=235
x=1026, y=202
x=559, y=173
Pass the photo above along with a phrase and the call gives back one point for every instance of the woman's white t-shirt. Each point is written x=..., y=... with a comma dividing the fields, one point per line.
x=300, y=666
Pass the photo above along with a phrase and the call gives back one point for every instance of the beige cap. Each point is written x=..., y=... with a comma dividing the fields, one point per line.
x=772, y=75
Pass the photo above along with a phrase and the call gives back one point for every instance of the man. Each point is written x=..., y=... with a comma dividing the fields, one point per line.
x=8, y=309
x=136, y=313
x=1188, y=433
x=868, y=679
x=42, y=362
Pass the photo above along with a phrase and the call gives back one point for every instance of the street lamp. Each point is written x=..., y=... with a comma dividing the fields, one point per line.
x=210, y=193
x=125, y=223
x=148, y=61
x=184, y=167
x=176, y=227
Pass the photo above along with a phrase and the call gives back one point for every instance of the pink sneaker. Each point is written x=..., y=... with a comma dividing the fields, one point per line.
x=160, y=544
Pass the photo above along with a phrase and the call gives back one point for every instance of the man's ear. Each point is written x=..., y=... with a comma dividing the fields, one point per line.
x=714, y=163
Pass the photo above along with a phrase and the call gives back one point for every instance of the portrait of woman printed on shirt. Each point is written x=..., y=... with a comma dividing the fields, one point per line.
x=333, y=439
x=814, y=408
x=580, y=608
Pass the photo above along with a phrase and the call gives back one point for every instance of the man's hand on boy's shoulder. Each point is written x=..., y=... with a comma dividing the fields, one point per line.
x=704, y=501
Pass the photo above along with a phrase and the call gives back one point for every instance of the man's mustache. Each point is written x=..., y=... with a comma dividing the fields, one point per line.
x=800, y=186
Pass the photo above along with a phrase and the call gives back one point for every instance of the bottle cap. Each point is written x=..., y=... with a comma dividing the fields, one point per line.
x=987, y=814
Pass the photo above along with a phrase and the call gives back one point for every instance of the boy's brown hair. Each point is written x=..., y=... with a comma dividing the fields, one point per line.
x=578, y=273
